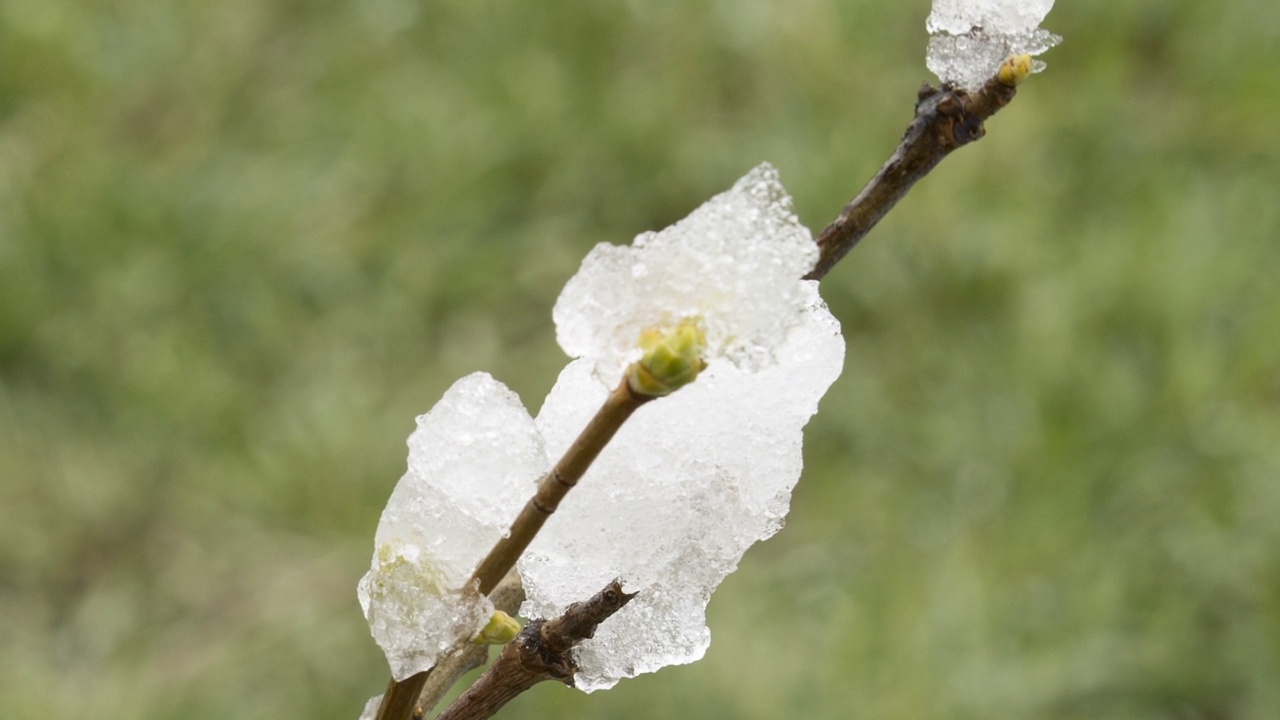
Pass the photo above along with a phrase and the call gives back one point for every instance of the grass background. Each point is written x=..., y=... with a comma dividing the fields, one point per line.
x=243, y=243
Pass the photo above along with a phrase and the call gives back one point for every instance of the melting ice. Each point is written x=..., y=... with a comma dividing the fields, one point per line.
x=473, y=461
x=970, y=38
x=735, y=263
x=694, y=479
x=687, y=485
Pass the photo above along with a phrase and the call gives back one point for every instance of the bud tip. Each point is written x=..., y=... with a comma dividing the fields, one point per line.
x=500, y=630
x=1015, y=69
x=671, y=360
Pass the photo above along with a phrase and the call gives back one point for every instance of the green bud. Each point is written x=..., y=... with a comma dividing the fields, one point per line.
x=500, y=630
x=671, y=360
x=1015, y=69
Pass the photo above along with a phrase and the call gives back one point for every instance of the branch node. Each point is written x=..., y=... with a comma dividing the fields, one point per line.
x=946, y=118
x=556, y=474
x=543, y=651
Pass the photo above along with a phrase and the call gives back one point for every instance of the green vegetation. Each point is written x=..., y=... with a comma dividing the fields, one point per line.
x=243, y=243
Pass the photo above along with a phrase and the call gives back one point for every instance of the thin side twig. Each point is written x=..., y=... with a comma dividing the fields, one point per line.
x=543, y=651
x=946, y=119
x=417, y=695
x=400, y=702
x=619, y=406
x=507, y=597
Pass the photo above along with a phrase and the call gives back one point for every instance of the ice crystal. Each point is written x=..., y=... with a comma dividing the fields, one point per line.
x=734, y=265
x=970, y=38
x=686, y=486
x=671, y=505
x=473, y=461
x=371, y=708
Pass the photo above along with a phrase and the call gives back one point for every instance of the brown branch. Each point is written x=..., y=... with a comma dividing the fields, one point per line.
x=946, y=119
x=507, y=597
x=552, y=489
x=400, y=702
x=418, y=694
x=543, y=651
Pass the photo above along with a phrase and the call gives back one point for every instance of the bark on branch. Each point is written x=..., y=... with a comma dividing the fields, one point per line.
x=401, y=699
x=543, y=651
x=946, y=119
x=619, y=406
x=416, y=696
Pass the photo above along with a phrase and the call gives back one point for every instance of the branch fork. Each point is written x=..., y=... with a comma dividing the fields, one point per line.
x=946, y=118
x=543, y=651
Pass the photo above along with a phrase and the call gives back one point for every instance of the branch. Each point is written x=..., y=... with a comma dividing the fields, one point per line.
x=551, y=489
x=418, y=694
x=507, y=597
x=400, y=702
x=946, y=119
x=543, y=651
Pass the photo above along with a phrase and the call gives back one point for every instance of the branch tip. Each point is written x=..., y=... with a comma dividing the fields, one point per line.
x=946, y=118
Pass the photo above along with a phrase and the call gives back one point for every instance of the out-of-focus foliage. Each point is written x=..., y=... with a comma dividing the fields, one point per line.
x=243, y=243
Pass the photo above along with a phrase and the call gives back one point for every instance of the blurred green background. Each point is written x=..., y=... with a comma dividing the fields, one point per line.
x=244, y=243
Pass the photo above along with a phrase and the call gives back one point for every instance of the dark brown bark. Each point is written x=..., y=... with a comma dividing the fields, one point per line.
x=945, y=119
x=543, y=651
x=401, y=699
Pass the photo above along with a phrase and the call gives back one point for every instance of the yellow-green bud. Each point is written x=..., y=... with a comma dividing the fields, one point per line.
x=500, y=630
x=1015, y=69
x=672, y=359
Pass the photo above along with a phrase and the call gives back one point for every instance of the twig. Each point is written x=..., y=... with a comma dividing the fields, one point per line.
x=416, y=696
x=507, y=597
x=552, y=488
x=401, y=699
x=946, y=119
x=543, y=651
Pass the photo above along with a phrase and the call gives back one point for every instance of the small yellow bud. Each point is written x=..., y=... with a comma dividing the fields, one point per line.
x=1015, y=69
x=671, y=360
x=500, y=630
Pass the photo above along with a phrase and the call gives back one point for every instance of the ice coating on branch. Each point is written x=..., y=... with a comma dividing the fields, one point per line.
x=687, y=485
x=371, y=708
x=970, y=38
x=735, y=264
x=998, y=16
x=670, y=506
x=473, y=461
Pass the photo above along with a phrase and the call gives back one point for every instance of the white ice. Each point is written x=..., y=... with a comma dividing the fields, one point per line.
x=688, y=484
x=671, y=505
x=371, y=708
x=473, y=461
x=734, y=263
x=970, y=38
x=998, y=16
